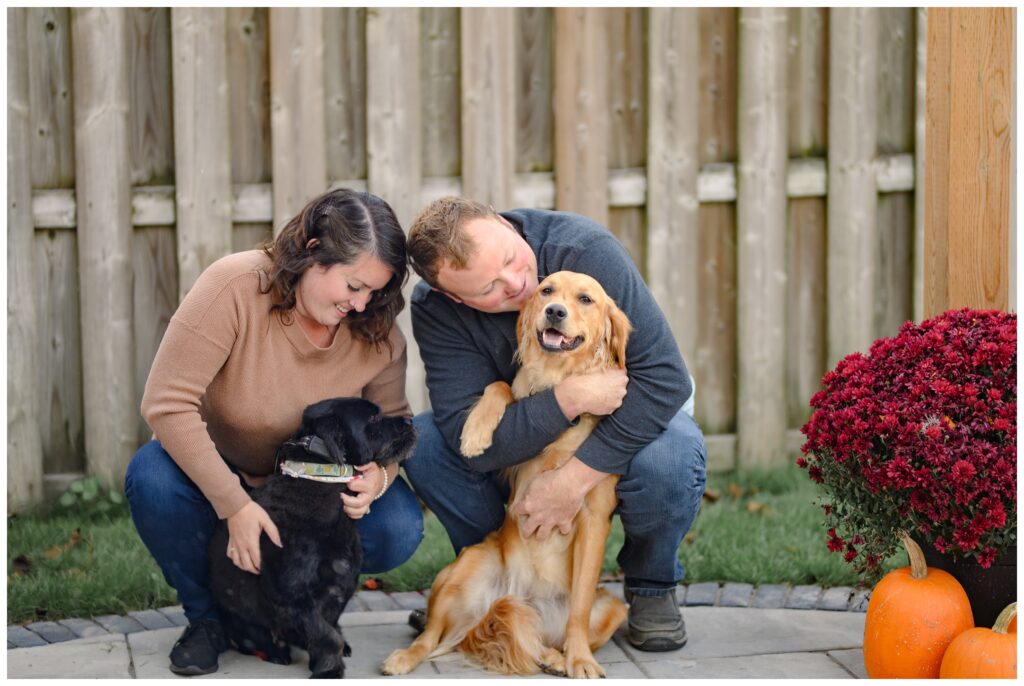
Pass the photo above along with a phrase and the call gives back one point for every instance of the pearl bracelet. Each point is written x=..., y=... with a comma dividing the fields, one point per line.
x=383, y=488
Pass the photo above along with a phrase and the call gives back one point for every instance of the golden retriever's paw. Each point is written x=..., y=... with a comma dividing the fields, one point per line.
x=399, y=662
x=583, y=667
x=552, y=662
x=475, y=440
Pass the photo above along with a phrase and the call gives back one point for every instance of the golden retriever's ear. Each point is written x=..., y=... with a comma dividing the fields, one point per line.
x=617, y=333
x=524, y=324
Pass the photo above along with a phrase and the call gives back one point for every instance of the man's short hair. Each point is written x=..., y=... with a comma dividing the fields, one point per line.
x=437, y=237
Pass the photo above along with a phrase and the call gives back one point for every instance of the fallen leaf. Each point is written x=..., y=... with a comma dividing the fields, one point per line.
x=711, y=495
x=21, y=565
x=58, y=550
x=372, y=584
x=736, y=491
x=690, y=537
x=754, y=506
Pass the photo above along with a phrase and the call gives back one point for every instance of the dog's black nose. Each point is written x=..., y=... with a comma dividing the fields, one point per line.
x=555, y=313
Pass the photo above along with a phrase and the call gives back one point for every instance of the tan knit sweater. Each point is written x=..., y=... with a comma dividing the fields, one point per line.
x=232, y=378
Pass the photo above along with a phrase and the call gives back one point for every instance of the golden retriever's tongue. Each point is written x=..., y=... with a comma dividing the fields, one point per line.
x=553, y=338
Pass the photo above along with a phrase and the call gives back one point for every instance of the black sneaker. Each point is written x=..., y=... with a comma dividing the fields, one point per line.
x=197, y=650
x=418, y=620
x=655, y=623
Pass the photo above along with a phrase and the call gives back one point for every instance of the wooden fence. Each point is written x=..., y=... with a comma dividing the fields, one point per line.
x=717, y=144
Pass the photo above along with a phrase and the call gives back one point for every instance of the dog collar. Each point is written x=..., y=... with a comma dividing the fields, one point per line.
x=314, y=471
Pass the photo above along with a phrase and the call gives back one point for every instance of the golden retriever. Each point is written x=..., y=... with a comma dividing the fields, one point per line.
x=519, y=605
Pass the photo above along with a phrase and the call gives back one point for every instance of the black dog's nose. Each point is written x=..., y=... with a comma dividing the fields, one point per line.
x=555, y=313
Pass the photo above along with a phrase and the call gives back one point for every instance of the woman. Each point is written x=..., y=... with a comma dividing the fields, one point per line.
x=261, y=335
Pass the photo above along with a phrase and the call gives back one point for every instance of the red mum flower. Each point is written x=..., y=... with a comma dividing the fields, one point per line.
x=919, y=434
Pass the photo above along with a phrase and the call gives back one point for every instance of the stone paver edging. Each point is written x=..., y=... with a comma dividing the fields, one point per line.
x=774, y=596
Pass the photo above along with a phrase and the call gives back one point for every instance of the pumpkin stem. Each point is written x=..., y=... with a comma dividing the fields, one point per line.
x=918, y=567
x=1004, y=618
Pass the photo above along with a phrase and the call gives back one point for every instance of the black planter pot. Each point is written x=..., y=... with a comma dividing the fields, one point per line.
x=989, y=590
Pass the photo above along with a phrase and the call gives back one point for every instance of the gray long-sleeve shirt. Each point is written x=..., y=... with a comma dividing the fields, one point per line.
x=464, y=350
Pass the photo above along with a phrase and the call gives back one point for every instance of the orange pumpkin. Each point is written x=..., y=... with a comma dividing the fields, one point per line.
x=913, y=615
x=983, y=653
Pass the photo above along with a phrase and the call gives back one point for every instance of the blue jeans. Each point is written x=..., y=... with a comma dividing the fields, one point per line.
x=175, y=521
x=659, y=497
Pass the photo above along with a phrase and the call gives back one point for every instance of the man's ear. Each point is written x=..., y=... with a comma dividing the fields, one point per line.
x=446, y=293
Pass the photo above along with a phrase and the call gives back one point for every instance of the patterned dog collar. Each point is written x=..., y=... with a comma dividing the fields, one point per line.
x=327, y=473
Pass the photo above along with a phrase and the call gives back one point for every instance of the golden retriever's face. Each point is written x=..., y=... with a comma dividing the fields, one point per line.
x=570, y=316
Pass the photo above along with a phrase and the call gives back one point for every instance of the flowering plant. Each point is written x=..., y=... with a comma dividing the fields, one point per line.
x=920, y=434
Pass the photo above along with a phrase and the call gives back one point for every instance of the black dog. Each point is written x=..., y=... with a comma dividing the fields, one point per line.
x=303, y=587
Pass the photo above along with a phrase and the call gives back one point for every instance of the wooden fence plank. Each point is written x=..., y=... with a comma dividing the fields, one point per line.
x=61, y=415
x=59, y=372
x=920, y=118
x=761, y=246
x=806, y=285
x=535, y=91
x=896, y=92
x=151, y=151
x=673, y=246
x=248, y=39
x=581, y=111
x=248, y=45
x=345, y=91
x=714, y=366
x=24, y=439
x=151, y=143
x=50, y=94
x=627, y=128
x=297, y=123
x=202, y=149
x=393, y=142
x=441, y=116
x=972, y=92
x=99, y=45
x=155, y=299
x=488, y=115
x=853, y=199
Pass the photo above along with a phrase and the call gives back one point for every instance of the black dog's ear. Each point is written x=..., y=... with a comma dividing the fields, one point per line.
x=334, y=447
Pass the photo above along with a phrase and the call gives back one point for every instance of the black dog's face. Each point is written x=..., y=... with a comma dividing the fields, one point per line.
x=357, y=433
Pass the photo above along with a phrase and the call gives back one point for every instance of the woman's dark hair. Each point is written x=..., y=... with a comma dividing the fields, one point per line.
x=346, y=224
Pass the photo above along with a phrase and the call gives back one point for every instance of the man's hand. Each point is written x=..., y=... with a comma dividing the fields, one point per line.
x=244, y=529
x=599, y=393
x=553, y=498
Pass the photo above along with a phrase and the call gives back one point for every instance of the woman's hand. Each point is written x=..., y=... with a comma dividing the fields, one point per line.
x=244, y=529
x=364, y=490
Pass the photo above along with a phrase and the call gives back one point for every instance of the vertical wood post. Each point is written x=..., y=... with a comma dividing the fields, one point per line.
x=202, y=149
x=298, y=130
x=672, y=166
x=761, y=241
x=24, y=441
x=807, y=85
x=581, y=112
x=394, y=142
x=968, y=177
x=920, y=136
x=852, y=189
x=103, y=198
x=488, y=105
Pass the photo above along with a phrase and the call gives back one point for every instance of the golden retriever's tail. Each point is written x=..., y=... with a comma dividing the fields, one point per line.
x=507, y=639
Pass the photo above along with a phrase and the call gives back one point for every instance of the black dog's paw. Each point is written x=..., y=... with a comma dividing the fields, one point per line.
x=338, y=673
x=346, y=650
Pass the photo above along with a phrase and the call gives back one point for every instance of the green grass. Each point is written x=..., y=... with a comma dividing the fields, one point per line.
x=779, y=539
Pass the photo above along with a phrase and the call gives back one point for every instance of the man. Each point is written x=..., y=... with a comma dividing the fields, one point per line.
x=479, y=268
